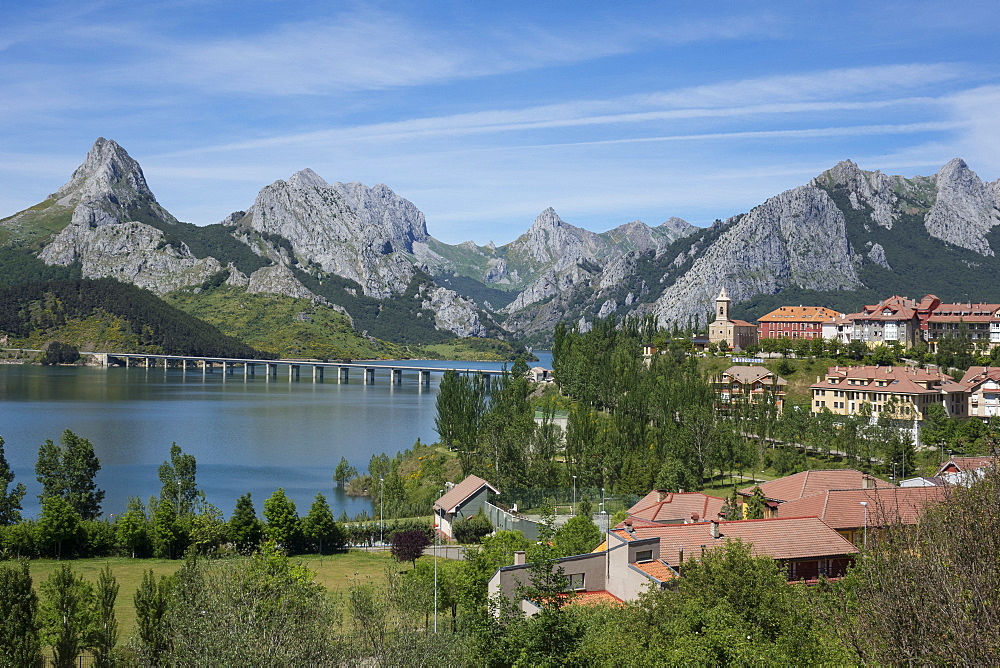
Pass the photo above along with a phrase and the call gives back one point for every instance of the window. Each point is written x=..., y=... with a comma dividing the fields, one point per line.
x=644, y=555
x=576, y=582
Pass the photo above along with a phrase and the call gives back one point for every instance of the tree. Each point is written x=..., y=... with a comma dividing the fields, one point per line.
x=104, y=635
x=67, y=614
x=319, y=527
x=255, y=610
x=282, y=526
x=344, y=472
x=58, y=527
x=244, y=527
x=177, y=479
x=151, y=601
x=19, y=641
x=132, y=529
x=207, y=530
x=67, y=471
x=756, y=505
x=578, y=536
x=408, y=545
x=168, y=535
x=58, y=352
x=472, y=529
x=10, y=501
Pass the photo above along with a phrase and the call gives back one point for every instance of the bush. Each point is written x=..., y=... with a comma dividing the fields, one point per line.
x=57, y=352
x=472, y=529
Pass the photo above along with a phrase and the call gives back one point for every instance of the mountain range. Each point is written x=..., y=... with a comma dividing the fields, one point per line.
x=846, y=237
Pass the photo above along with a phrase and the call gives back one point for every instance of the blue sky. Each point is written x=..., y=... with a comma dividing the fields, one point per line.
x=483, y=114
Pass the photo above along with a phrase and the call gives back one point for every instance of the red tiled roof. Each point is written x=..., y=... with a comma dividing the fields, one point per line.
x=660, y=506
x=599, y=597
x=899, y=380
x=780, y=538
x=800, y=314
x=807, y=483
x=842, y=509
x=961, y=464
x=657, y=569
x=743, y=323
x=748, y=374
x=460, y=492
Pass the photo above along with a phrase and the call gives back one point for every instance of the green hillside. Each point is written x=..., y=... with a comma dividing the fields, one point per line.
x=105, y=314
x=284, y=326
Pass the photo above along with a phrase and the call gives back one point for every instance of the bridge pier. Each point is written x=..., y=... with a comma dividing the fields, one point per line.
x=293, y=371
x=317, y=373
x=487, y=378
x=369, y=376
x=397, y=376
x=343, y=374
x=272, y=369
x=425, y=378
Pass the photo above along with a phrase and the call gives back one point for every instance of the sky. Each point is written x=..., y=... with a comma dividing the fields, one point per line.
x=484, y=114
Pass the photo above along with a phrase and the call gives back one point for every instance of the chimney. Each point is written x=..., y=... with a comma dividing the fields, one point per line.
x=680, y=491
x=519, y=558
x=661, y=496
x=680, y=555
x=713, y=529
x=449, y=485
x=866, y=482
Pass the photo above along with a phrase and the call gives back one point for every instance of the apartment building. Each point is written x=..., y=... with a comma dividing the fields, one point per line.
x=910, y=391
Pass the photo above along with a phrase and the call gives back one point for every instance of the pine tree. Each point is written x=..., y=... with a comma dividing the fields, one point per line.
x=282, y=521
x=321, y=529
x=151, y=602
x=244, y=527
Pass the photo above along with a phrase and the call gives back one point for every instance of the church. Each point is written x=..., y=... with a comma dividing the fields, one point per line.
x=738, y=334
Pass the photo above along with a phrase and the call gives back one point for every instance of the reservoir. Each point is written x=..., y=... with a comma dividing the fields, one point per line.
x=248, y=435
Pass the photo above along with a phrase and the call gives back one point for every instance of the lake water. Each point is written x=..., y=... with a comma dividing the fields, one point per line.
x=251, y=435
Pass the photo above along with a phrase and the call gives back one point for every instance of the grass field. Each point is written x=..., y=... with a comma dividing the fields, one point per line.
x=335, y=572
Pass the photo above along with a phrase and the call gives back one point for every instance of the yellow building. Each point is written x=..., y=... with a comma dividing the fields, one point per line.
x=908, y=391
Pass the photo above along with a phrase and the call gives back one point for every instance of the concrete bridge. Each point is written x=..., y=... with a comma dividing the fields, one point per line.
x=294, y=367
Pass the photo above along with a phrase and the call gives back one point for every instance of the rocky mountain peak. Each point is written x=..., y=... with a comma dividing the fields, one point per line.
x=307, y=178
x=107, y=169
x=965, y=209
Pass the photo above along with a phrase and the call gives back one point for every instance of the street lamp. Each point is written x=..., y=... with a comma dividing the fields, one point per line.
x=178, y=513
x=381, y=508
x=865, y=505
x=574, y=495
x=436, y=541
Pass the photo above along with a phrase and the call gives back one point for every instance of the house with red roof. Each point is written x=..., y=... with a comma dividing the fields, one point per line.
x=661, y=507
x=750, y=384
x=982, y=387
x=891, y=320
x=852, y=512
x=808, y=483
x=965, y=470
x=640, y=555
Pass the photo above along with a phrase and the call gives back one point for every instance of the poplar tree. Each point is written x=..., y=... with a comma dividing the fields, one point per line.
x=177, y=478
x=68, y=470
x=19, y=641
x=67, y=615
x=104, y=635
x=10, y=501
